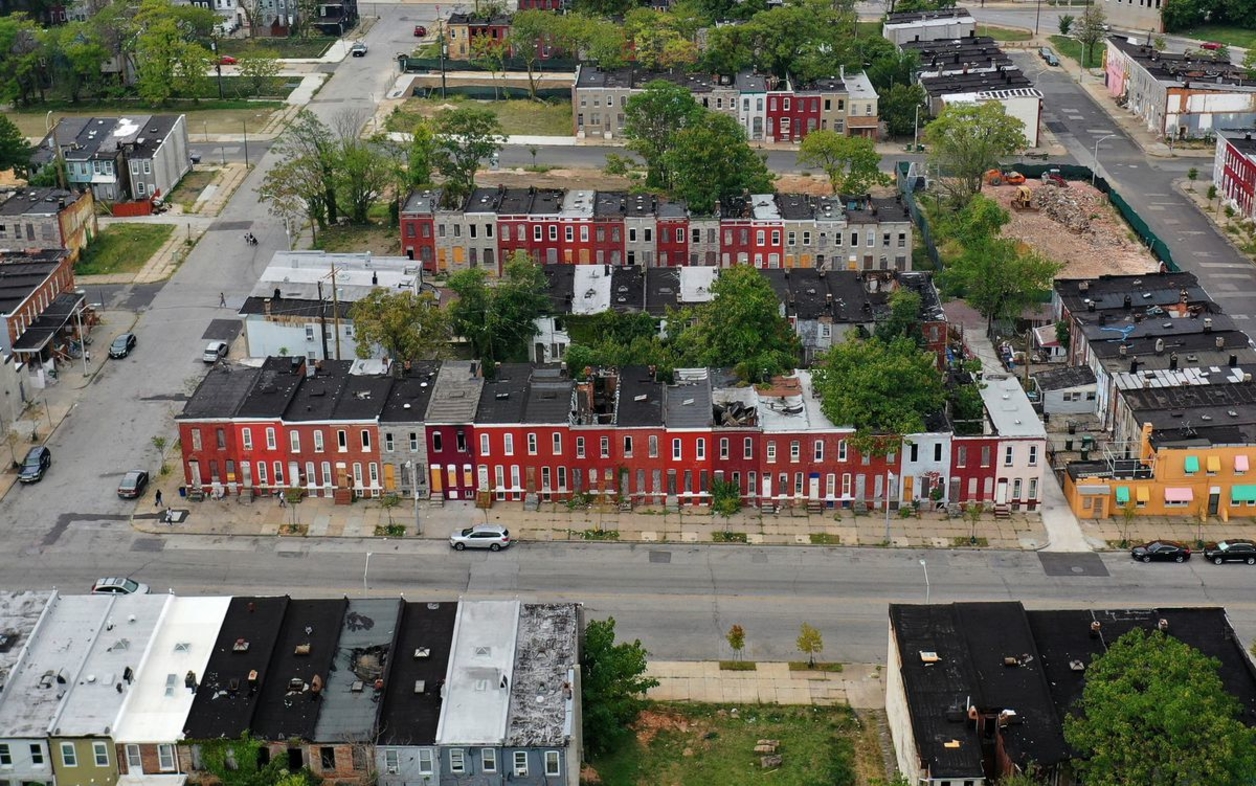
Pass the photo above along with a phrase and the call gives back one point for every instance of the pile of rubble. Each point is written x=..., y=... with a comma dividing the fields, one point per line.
x=1060, y=206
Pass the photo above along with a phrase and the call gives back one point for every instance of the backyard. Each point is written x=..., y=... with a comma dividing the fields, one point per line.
x=1073, y=50
x=223, y=118
x=122, y=248
x=701, y=744
x=542, y=118
x=312, y=47
x=1231, y=36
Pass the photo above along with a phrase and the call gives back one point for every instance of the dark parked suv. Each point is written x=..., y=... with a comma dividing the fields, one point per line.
x=38, y=460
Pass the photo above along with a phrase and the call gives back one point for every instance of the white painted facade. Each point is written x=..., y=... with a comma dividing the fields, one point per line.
x=1022, y=103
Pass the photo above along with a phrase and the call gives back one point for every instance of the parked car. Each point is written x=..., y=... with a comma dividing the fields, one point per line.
x=214, y=351
x=1234, y=550
x=133, y=484
x=1161, y=551
x=483, y=536
x=1046, y=54
x=419, y=31
x=358, y=49
x=226, y=60
x=122, y=345
x=38, y=460
x=1211, y=46
x=119, y=586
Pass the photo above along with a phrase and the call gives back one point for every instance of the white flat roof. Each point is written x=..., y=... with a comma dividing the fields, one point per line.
x=95, y=701
x=157, y=705
x=764, y=207
x=591, y=290
x=696, y=282
x=799, y=412
x=578, y=203
x=1009, y=409
x=480, y=674
x=19, y=613
x=296, y=274
x=54, y=656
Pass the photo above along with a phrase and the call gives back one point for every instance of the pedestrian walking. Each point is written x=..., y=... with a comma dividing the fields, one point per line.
x=222, y=300
x=157, y=498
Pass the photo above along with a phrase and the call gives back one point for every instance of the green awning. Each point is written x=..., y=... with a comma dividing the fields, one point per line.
x=1243, y=493
x=1122, y=495
x=1192, y=463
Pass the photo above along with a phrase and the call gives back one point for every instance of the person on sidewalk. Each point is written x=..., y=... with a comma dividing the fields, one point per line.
x=157, y=498
x=222, y=299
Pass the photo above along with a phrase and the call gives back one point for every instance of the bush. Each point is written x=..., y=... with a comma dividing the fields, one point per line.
x=728, y=537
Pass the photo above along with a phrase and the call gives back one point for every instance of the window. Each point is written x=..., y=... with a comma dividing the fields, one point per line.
x=795, y=451
x=165, y=757
x=392, y=761
x=676, y=451
x=551, y=763
x=654, y=446
x=196, y=439
x=1033, y=488
x=627, y=447
x=819, y=450
x=246, y=437
x=426, y=761
x=553, y=231
x=557, y=441
x=414, y=440
x=366, y=440
x=327, y=757
x=457, y=756
x=508, y=444
x=68, y=757
x=484, y=445
x=771, y=452
x=461, y=441
x=846, y=484
x=580, y=447
x=342, y=440
x=37, y=754
x=531, y=443
x=6, y=756
x=985, y=455
x=747, y=448
x=605, y=445
x=388, y=441
x=134, y=762
x=521, y=762
x=1007, y=456
x=841, y=450
x=294, y=441
x=724, y=448
x=488, y=756
x=1033, y=455
x=701, y=448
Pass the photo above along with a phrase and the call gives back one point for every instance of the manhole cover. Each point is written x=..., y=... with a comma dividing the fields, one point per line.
x=148, y=544
x=661, y=557
x=1072, y=564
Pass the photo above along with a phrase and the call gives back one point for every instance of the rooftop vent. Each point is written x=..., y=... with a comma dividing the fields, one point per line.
x=929, y=657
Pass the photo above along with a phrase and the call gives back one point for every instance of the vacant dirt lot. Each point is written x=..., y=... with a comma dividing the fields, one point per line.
x=1076, y=227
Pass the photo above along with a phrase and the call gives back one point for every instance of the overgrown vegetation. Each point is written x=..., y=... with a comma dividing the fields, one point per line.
x=122, y=248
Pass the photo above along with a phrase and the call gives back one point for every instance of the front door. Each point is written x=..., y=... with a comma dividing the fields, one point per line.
x=1214, y=500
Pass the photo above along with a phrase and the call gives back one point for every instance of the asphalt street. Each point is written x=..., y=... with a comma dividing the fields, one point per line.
x=679, y=599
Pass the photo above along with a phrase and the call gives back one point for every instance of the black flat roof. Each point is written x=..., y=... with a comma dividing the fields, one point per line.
x=364, y=396
x=627, y=288
x=22, y=272
x=1109, y=292
x=640, y=398
x=974, y=82
x=225, y=701
x=504, y=397
x=408, y=398
x=549, y=397
x=407, y=717
x=297, y=307
x=306, y=647
x=272, y=393
x=662, y=287
x=221, y=392
x=316, y=396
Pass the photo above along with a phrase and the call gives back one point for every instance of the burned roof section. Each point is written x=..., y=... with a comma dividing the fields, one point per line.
x=542, y=705
x=299, y=669
x=364, y=653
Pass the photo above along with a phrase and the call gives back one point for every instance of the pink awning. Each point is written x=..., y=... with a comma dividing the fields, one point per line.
x=1178, y=495
x=1240, y=463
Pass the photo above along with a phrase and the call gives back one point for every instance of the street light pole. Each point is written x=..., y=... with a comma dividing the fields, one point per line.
x=213, y=47
x=889, y=485
x=245, y=123
x=915, y=133
x=1037, y=16
x=1095, y=159
x=925, y=565
x=365, y=571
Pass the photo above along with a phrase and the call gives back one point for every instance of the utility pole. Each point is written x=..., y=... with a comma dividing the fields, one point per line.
x=322, y=319
x=335, y=303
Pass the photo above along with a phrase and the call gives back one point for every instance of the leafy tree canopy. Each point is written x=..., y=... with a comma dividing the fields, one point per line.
x=404, y=325
x=710, y=161
x=499, y=320
x=15, y=151
x=464, y=137
x=902, y=107
x=966, y=140
x=652, y=120
x=1154, y=710
x=613, y=685
x=852, y=163
x=883, y=389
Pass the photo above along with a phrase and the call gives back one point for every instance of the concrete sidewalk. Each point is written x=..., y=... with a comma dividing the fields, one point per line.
x=858, y=684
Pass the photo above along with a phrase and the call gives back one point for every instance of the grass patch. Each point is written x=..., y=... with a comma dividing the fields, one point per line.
x=294, y=529
x=738, y=665
x=600, y=534
x=824, y=539
x=235, y=87
x=190, y=187
x=391, y=530
x=960, y=542
x=517, y=116
x=204, y=117
x=699, y=744
x=376, y=238
x=1073, y=50
x=1231, y=36
x=1004, y=33
x=728, y=537
x=283, y=47
x=122, y=248
x=801, y=665
x=868, y=29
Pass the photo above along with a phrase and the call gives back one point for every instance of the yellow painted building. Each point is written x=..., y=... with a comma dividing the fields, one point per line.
x=1194, y=480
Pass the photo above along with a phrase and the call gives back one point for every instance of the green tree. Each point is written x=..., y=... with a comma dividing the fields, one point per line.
x=490, y=54
x=966, y=140
x=15, y=151
x=810, y=643
x=1192, y=175
x=1090, y=31
x=659, y=40
x=75, y=53
x=464, y=137
x=852, y=163
x=401, y=324
x=422, y=155
x=653, y=118
x=1249, y=62
x=725, y=499
x=499, y=321
x=1066, y=23
x=170, y=60
x=530, y=30
x=1155, y=710
x=257, y=68
x=22, y=74
x=903, y=318
x=882, y=389
x=999, y=278
x=979, y=220
x=364, y=167
x=887, y=67
x=902, y=107
x=736, y=638
x=307, y=180
x=613, y=685
x=237, y=762
x=741, y=327
x=710, y=161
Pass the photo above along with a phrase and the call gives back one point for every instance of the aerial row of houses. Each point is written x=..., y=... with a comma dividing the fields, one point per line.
x=1167, y=378
x=108, y=689
x=538, y=433
x=617, y=228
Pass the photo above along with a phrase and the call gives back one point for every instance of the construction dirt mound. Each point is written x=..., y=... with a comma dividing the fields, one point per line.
x=1097, y=240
